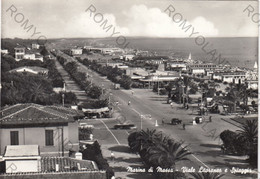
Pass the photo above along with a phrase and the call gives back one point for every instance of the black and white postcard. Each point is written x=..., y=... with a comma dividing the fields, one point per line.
x=132, y=89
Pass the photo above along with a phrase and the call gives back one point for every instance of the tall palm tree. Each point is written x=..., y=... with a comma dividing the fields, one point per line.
x=206, y=175
x=233, y=95
x=249, y=130
x=144, y=139
x=166, y=155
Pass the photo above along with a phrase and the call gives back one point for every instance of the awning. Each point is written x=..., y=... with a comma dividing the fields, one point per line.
x=100, y=110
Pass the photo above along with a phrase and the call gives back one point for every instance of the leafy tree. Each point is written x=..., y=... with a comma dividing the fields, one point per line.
x=71, y=67
x=94, y=92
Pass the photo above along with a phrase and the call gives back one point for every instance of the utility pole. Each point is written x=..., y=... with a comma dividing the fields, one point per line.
x=141, y=116
x=158, y=88
x=63, y=96
x=102, y=88
x=62, y=142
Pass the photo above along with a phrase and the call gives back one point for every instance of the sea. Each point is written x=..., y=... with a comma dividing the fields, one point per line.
x=238, y=51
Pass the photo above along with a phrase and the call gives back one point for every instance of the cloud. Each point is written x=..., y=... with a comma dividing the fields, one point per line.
x=141, y=21
x=86, y=25
x=153, y=22
x=204, y=27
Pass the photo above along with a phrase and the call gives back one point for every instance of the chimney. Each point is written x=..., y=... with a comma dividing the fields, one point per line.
x=57, y=167
x=78, y=155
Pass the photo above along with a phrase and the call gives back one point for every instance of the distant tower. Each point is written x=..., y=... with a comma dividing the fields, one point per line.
x=255, y=66
x=189, y=57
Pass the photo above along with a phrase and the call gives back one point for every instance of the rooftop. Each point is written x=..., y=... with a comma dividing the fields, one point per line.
x=30, y=113
x=21, y=150
x=34, y=68
x=48, y=164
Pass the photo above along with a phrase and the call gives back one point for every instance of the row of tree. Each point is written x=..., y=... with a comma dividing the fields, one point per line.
x=91, y=89
x=115, y=74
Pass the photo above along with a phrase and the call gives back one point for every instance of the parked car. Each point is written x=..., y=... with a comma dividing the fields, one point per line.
x=176, y=121
x=198, y=119
x=124, y=126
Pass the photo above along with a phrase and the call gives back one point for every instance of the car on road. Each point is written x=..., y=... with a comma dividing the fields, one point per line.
x=124, y=126
x=198, y=119
x=175, y=121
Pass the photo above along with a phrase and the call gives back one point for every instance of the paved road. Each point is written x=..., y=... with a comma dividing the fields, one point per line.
x=70, y=84
x=202, y=139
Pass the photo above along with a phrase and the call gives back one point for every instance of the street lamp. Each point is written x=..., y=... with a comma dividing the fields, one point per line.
x=102, y=88
x=63, y=96
x=141, y=116
x=158, y=88
x=109, y=100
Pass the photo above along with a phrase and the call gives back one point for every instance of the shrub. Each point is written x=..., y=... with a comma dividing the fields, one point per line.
x=84, y=133
x=93, y=152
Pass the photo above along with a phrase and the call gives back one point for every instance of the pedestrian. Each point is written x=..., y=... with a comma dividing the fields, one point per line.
x=129, y=103
x=210, y=120
x=132, y=92
x=112, y=156
x=183, y=125
x=187, y=107
x=163, y=122
x=171, y=104
x=223, y=148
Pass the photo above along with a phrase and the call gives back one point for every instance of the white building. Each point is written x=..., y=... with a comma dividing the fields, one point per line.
x=35, y=46
x=4, y=51
x=201, y=68
x=19, y=53
x=33, y=56
x=176, y=65
x=234, y=77
x=128, y=57
x=29, y=56
x=76, y=51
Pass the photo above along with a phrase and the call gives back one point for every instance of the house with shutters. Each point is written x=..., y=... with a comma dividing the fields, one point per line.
x=53, y=128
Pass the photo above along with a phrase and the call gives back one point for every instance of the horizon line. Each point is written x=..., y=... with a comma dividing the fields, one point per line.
x=129, y=37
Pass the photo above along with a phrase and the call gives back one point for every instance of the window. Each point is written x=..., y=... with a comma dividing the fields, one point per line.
x=14, y=136
x=49, y=137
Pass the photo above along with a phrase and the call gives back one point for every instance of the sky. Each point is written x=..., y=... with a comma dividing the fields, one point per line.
x=146, y=18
